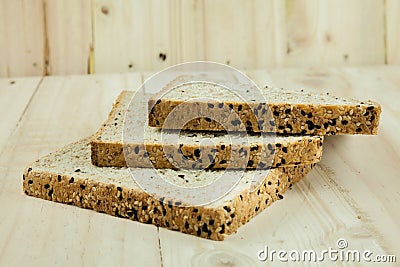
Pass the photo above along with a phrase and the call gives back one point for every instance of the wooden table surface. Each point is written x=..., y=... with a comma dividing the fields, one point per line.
x=354, y=193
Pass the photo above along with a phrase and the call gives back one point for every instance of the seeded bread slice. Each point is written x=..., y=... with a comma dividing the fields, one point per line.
x=227, y=151
x=290, y=112
x=67, y=176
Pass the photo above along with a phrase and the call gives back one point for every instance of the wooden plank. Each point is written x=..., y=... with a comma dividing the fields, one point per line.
x=334, y=33
x=343, y=197
x=69, y=35
x=244, y=34
x=21, y=38
x=392, y=31
x=66, y=109
x=122, y=43
x=15, y=95
x=365, y=181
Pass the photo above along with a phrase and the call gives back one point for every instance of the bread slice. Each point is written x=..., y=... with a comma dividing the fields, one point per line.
x=67, y=176
x=289, y=111
x=227, y=151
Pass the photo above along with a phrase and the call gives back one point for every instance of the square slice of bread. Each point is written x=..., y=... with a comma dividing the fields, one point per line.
x=67, y=176
x=293, y=112
x=233, y=151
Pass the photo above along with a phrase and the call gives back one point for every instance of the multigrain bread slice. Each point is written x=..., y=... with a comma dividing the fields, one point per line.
x=67, y=176
x=233, y=151
x=293, y=112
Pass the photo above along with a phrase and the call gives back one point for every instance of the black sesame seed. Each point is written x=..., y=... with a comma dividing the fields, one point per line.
x=178, y=203
x=326, y=125
x=358, y=130
x=269, y=183
x=240, y=107
x=198, y=232
x=232, y=215
x=222, y=229
x=132, y=212
x=284, y=149
x=303, y=113
x=230, y=106
x=137, y=150
x=276, y=113
x=77, y=170
x=370, y=108
x=250, y=163
x=366, y=113
x=345, y=122
x=211, y=222
x=278, y=145
x=241, y=197
x=236, y=122
x=195, y=210
x=222, y=147
x=167, y=223
x=197, y=152
x=204, y=228
x=210, y=105
x=280, y=196
x=372, y=118
x=46, y=186
x=59, y=178
x=119, y=188
x=186, y=225
x=155, y=210
x=222, y=161
x=50, y=193
x=254, y=148
x=283, y=161
x=23, y=177
x=181, y=176
x=310, y=125
x=272, y=123
x=281, y=127
x=309, y=115
x=261, y=164
x=220, y=105
x=228, y=209
x=71, y=180
x=256, y=209
x=207, y=119
x=269, y=147
x=82, y=186
x=199, y=218
x=144, y=207
x=287, y=111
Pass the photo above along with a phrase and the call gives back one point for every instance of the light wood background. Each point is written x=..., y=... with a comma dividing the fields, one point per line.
x=353, y=193
x=58, y=37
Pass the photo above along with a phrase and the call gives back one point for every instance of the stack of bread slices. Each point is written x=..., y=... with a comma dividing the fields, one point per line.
x=96, y=172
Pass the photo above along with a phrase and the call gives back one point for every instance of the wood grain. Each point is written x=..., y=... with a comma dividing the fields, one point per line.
x=15, y=96
x=392, y=32
x=335, y=33
x=65, y=109
x=21, y=38
x=69, y=35
x=353, y=193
